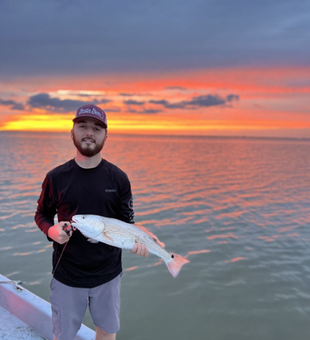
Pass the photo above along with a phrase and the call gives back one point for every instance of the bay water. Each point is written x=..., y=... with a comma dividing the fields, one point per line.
x=237, y=208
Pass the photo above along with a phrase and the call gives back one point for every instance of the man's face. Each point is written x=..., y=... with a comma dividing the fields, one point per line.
x=88, y=136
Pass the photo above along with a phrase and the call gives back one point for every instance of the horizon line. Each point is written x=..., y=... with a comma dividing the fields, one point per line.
x=168, y=135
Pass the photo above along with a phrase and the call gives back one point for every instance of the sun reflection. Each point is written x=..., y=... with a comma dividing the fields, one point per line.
x=131, y=268
x=12, y=274
x=195, y=252
x=285, y=229
x=266, y=238
x=8, y=216
x=5, y=248
x=23, y=254
x=237, y=259
x=156, y=263
x=228, y=228
x=293, y=235
x=230, y=235
x=31, y=231
x=34, y=283
x=275, y=237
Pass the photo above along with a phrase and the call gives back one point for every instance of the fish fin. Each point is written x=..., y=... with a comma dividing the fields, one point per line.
x=175, y=264
x=154, y=237
x=91, y=240
x=107, y=236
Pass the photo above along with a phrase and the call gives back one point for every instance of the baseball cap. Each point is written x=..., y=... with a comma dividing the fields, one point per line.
x=91, y=111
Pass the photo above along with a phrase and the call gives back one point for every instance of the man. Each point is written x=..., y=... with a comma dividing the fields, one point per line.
x=85, y=273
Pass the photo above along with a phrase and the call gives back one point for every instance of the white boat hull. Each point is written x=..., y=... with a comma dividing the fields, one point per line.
x=33, y=314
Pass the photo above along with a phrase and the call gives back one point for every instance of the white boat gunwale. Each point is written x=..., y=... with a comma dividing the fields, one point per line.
x=32, y=310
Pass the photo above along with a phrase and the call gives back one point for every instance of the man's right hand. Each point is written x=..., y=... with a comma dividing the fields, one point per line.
x=57, y=233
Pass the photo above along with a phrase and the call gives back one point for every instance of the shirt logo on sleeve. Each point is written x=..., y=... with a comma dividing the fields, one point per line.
x=130, y=203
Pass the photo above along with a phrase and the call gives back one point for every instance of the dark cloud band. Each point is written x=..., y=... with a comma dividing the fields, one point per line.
x=45, y=101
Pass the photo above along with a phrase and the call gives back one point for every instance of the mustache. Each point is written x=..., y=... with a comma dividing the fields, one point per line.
x=88, y=138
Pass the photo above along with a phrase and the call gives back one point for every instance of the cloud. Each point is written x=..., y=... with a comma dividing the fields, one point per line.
x=208, y=100
x=196, y=102
x=112, y=110
x=126, y=94
x=144, y=111
x=13, y=104
x=133, y=102
x=160, y=102
x=211, y=100
x=232, y=97
x=46, y=102
x=151, y=111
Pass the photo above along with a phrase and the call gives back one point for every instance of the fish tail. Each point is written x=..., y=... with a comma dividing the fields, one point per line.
x=175, y=264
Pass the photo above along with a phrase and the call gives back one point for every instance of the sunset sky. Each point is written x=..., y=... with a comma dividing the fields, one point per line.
x=194, y=67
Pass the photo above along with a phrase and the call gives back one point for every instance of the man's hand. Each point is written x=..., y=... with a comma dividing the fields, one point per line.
x=57, y=233
x=140, y=249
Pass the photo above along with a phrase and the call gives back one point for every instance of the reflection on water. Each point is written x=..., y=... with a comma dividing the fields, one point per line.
x=237, y=208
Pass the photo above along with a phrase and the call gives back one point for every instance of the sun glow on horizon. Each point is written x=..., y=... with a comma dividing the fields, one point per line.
x=229, y=101
x=57, y=123
x=38, y=123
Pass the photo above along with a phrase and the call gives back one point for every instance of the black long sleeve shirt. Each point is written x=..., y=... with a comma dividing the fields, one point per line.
x=69, y=190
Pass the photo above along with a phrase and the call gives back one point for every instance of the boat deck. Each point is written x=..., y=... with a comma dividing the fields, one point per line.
x=13, y=328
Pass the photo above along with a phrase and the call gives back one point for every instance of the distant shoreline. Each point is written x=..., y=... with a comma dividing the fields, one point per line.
x=154, y=135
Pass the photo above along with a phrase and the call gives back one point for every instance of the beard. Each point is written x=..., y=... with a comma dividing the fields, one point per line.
x=87, y=150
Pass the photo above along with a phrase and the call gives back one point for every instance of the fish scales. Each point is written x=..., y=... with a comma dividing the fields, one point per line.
x=125, y=236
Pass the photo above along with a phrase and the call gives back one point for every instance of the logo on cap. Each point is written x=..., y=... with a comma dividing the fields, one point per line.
x=90, y=111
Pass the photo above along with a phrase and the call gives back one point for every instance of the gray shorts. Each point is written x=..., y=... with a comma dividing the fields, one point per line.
x=69, y=306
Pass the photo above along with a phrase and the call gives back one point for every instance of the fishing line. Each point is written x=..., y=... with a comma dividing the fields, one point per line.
x=53, y=272
x=67, y=231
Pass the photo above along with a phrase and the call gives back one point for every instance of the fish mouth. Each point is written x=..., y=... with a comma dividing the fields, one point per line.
x=75, y=220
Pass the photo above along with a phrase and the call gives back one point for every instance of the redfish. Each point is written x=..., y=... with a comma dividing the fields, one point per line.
x=124, y=235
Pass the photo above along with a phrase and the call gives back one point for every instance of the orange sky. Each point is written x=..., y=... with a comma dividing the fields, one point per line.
x=266, y=102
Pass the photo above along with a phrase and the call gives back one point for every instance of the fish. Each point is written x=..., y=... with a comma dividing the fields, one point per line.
x=124, y=235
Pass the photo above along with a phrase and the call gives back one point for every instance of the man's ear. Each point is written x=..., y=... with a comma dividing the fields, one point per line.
x=71, y=134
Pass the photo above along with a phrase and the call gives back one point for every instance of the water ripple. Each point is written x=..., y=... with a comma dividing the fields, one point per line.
x=237, y=208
